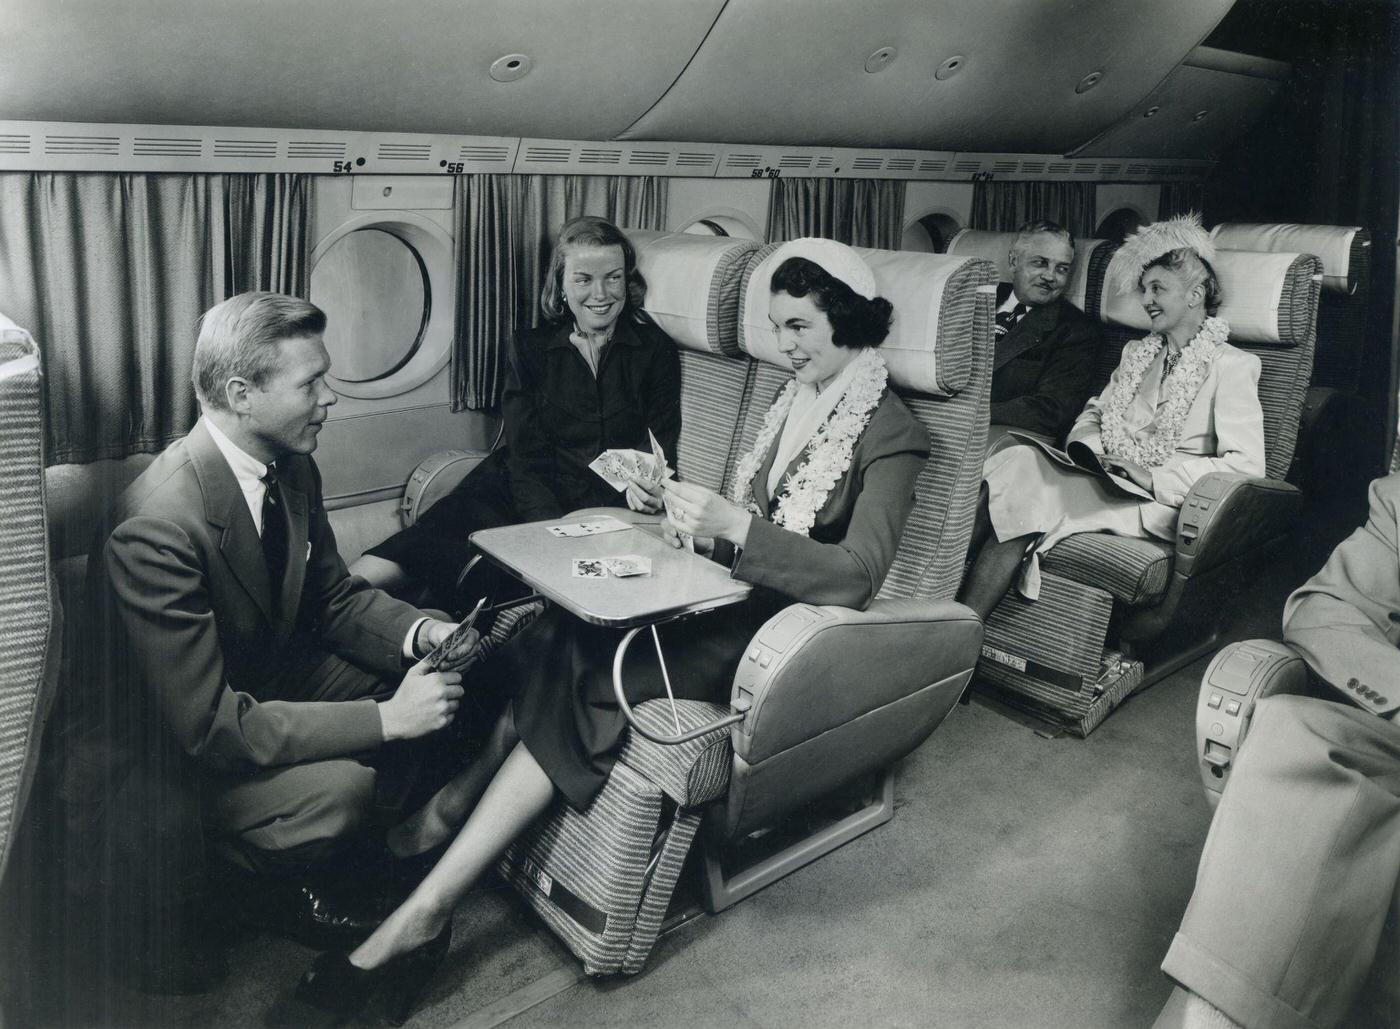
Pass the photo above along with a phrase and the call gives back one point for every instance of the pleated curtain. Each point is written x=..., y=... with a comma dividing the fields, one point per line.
x=505, y=230
x=110, y=273
x=857, y=212
x=1006, y=206
x=1180, y=198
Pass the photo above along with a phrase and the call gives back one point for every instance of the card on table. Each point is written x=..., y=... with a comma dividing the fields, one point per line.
x=589, y=568
x=591, y=527
x=625, y=565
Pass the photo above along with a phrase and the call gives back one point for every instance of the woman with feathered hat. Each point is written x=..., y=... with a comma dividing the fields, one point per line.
x=1181, y=403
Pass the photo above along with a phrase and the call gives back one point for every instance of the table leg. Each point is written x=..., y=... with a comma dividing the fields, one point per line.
x=665, y=676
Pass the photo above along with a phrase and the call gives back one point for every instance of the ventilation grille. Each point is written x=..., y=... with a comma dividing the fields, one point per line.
x=13, y=143
x=649, y=158
x=795, y=161
x=150, y=146
x=404, y=151
x=265, y=149
x=597, y=155
x=931, y=167
x=547, y=154
x=742, y=161
x=484, y=154
x=108, y=145
x=316, y=149
x=966, y=167
x=695, y=160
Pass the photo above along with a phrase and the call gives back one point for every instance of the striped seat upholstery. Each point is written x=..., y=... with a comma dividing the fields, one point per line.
x=1133, y=571
x=29, y=624
x=703, y=322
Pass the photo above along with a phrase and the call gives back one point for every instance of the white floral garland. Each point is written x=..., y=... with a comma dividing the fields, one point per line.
x=1183, y=383
x=828, y=454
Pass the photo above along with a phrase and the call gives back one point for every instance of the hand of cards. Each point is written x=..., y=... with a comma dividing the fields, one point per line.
x=618, y=467
x=458, y=650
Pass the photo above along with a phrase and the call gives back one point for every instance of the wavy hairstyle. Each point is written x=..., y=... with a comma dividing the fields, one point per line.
x=241, y=338
x=855, y=321
x=589, y=231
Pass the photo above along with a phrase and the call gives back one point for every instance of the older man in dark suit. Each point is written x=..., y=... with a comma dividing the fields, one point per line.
x=241, y=677
x=1301, y=870
x=1043, y=368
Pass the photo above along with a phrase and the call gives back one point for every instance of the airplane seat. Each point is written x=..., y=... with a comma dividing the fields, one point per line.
x=1336, y=420
x=1121, y=613
x=813, y=718
x=30, y=612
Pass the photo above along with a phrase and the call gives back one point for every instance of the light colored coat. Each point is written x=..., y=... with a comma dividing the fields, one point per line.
x=1223, y=430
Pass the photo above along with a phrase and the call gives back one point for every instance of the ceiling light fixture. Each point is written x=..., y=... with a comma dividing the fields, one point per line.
x=511, y=67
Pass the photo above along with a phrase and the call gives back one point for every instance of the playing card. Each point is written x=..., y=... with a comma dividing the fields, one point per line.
x=625, y=565
x=658, y=457
x=602, y=524
x=609, y=466
x=589, y=568
x=565, y=531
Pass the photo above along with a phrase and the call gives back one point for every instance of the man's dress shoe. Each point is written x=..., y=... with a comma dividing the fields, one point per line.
x=322, y=916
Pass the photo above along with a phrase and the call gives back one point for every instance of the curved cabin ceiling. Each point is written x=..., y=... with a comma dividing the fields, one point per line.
x=368, y=65
x=791, y=72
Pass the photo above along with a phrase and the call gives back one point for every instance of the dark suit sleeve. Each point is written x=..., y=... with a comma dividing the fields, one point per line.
x=663, y=391
x=159, y=586
x=528, y=455
x=1064, y=383
x=848, y=573
x=1342, y=619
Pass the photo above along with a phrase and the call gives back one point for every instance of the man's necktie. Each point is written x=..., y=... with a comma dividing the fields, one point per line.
x=274, y=532
x=1006, y=320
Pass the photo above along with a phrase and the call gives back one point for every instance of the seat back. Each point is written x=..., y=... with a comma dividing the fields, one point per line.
x=1345, y=253
x=693, y=287
x=1271, y=306
x=30, y=618
x=939, y=355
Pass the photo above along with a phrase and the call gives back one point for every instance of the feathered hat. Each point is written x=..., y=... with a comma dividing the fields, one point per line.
x=1150, y=242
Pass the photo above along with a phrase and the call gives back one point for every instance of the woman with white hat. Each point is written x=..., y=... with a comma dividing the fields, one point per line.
x=1181, y=403
x=814, y=515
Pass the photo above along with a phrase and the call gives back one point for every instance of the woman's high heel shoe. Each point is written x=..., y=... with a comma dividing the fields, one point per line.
x=334, y=991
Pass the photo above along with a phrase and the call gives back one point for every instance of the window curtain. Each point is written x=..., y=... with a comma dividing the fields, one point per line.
x=505, y=230
x=1006, y=206
x=1180, y=198
x=858, y=212
x=111, y=273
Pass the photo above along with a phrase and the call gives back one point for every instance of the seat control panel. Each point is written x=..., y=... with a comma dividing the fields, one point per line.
x=765, y=653
x=1234, y=682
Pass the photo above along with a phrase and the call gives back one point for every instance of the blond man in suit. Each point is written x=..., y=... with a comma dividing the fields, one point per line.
x=241, y=678
x=1302, y=864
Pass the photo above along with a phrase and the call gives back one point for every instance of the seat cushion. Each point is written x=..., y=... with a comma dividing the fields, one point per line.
x=1135, y=571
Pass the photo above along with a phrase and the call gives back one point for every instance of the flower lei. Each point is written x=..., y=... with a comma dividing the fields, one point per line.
x=828, y=452
x=1183, y=383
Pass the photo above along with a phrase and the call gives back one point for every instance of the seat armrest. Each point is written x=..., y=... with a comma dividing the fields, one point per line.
x=811, y=669
x=1238, y=677
x=1225, y=515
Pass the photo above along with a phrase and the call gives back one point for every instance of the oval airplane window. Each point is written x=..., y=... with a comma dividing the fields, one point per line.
x=374, y=289
x=930, y=233
x=1119, y=225
x=727, y=223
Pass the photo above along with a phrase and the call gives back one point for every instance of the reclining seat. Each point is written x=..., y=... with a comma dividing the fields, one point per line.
x=803, y=728
x=1158, y=605
x=30, y=617
x=1339, y=445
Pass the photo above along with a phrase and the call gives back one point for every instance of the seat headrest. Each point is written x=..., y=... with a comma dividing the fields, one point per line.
x=1335, y=245
x=928, y=349
x=693, y=286
x=1266, y=298
x=996, y=247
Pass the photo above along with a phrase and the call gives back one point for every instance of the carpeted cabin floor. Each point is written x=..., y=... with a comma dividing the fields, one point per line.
x=1024, y=881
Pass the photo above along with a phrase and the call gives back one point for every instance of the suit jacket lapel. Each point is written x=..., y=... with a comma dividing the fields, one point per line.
x=760, y=478
x=1028, y=332
x=225, y=507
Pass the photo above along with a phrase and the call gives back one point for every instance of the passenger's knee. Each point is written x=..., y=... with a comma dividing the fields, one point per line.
x=340, y=798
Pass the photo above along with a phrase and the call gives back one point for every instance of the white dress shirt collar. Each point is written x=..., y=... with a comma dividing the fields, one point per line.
x=246, y=468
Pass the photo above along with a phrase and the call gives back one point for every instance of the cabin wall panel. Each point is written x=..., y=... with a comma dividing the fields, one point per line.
x=692, y=199
x=1141, y=197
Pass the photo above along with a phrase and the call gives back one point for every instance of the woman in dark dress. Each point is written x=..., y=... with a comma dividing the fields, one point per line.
x=596, y=375
x=815, y=515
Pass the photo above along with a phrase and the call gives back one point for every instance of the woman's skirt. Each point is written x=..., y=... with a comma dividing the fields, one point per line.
x=559, y=672
x=1029, y=494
